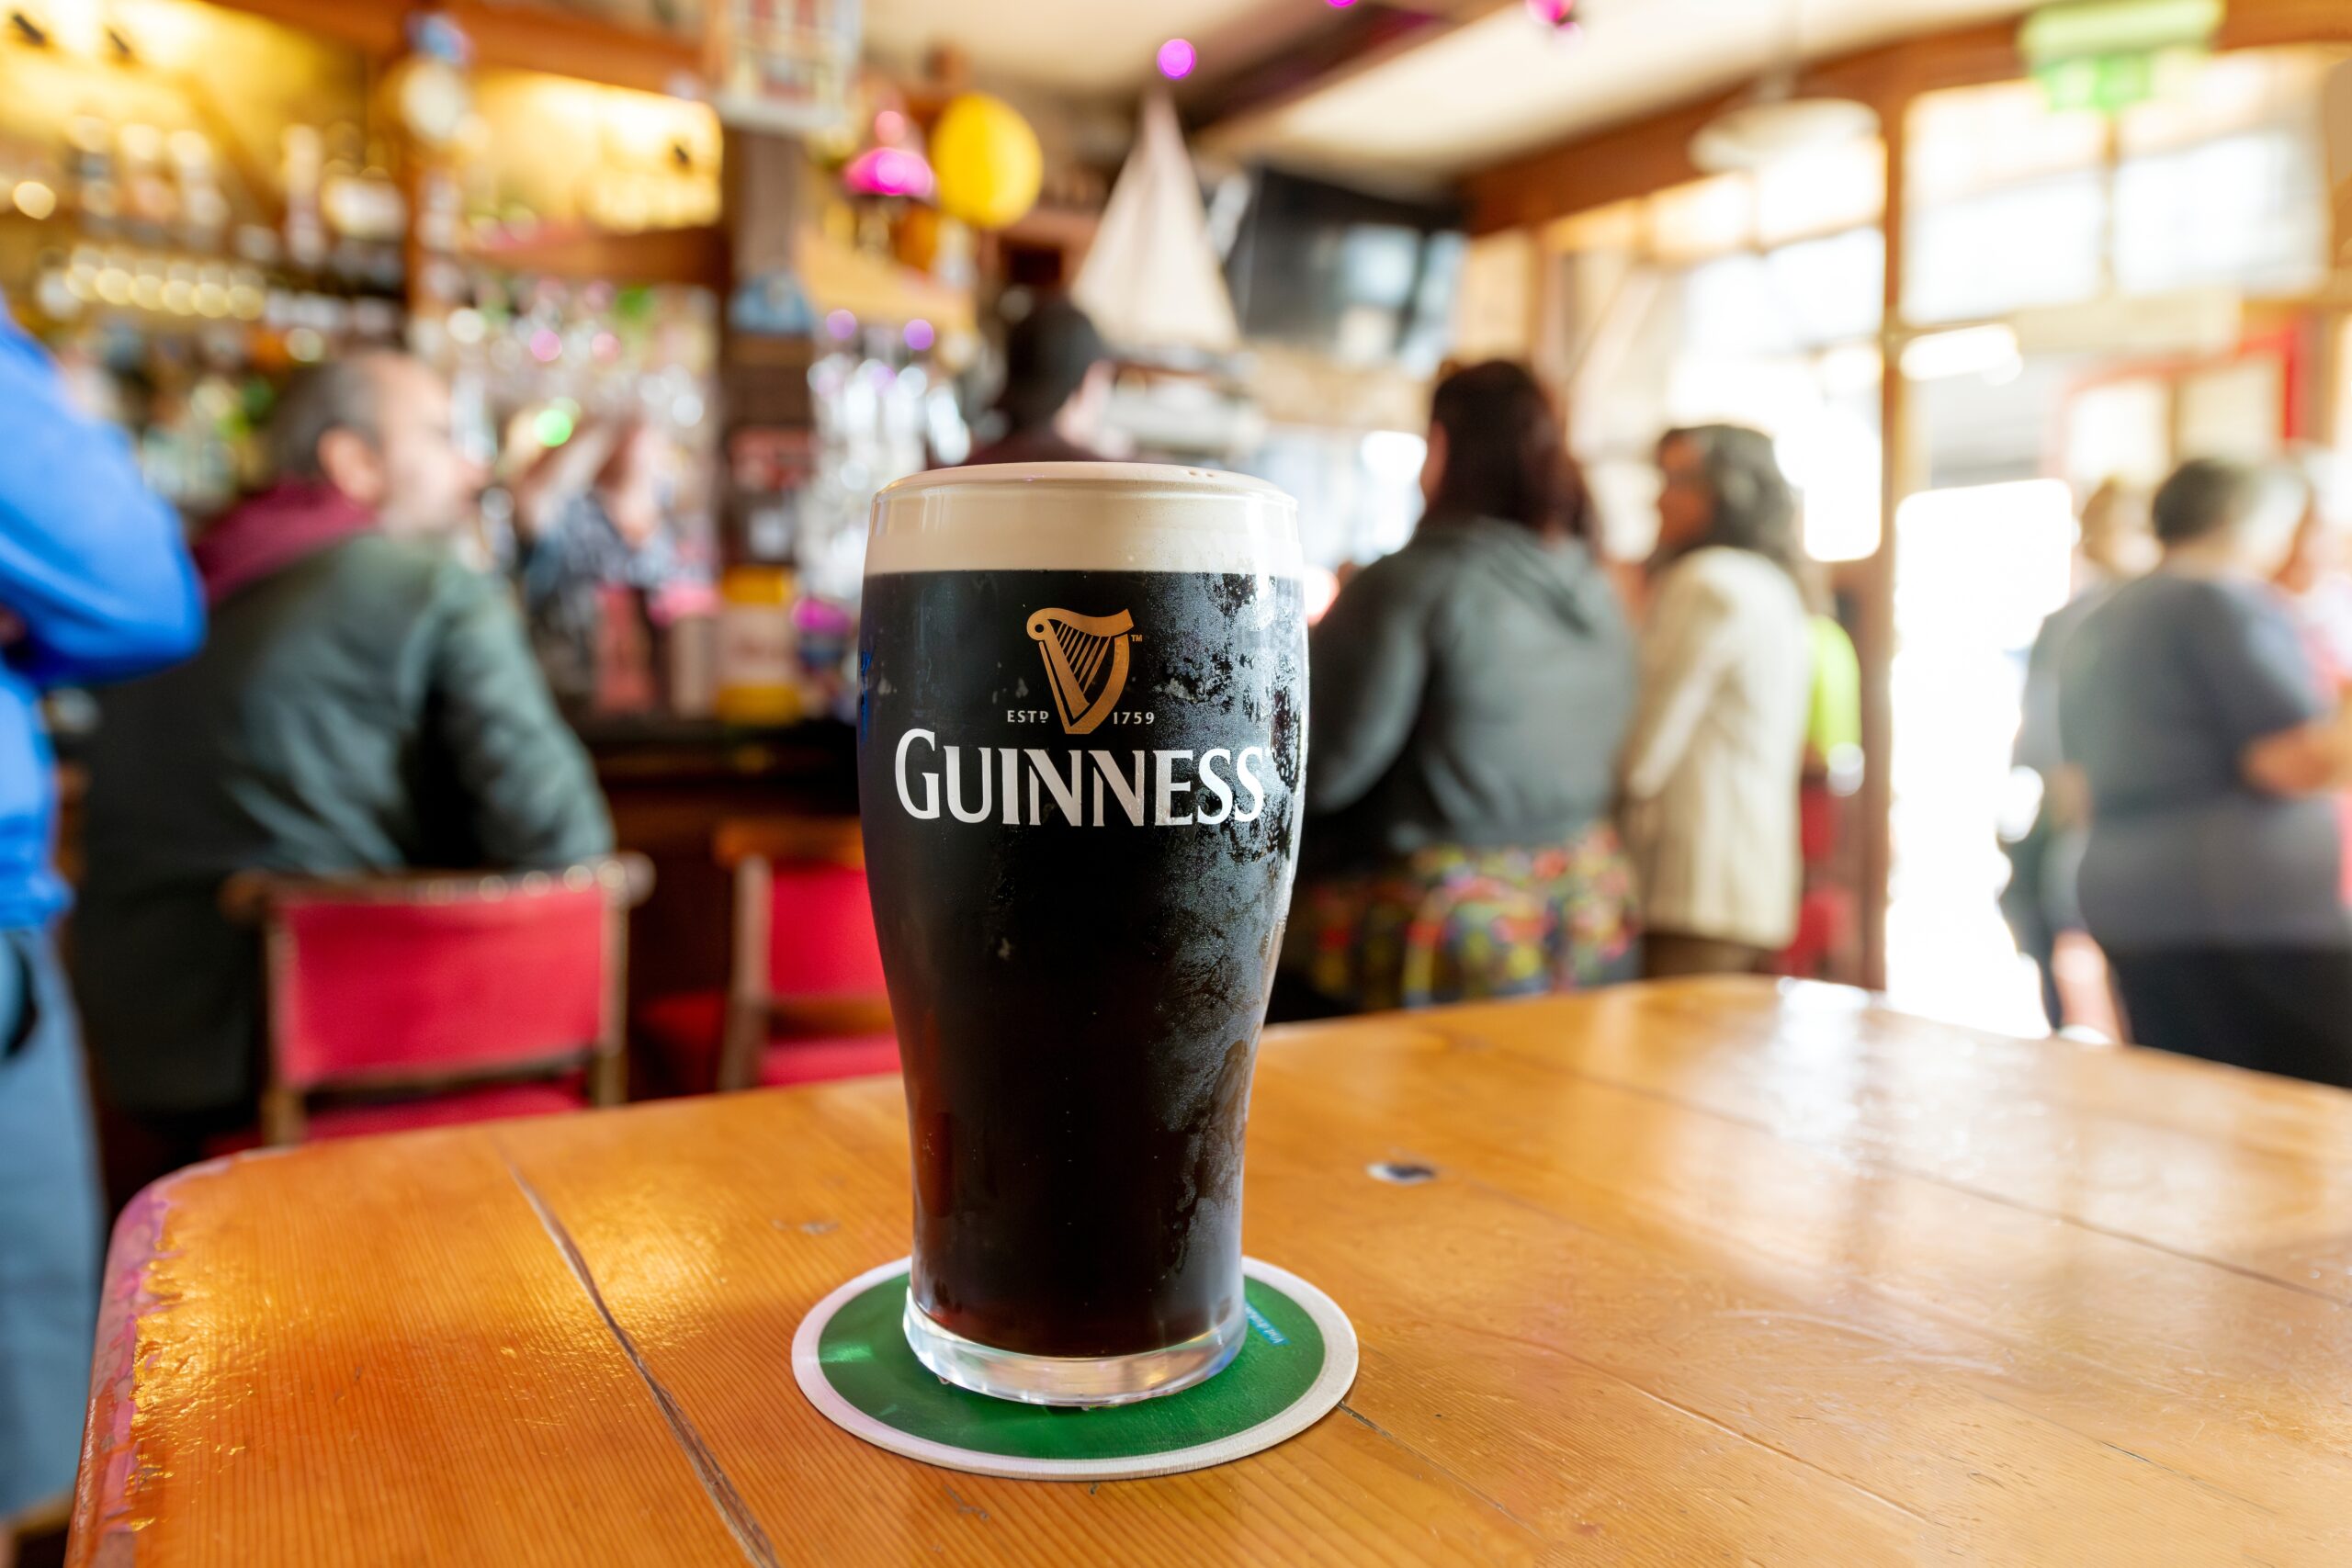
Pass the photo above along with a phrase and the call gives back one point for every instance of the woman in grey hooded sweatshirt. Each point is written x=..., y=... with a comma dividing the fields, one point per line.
x=1470, y=695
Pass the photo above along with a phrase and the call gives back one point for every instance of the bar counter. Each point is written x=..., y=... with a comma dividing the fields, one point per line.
x=669, y=783
x=1704, y=1271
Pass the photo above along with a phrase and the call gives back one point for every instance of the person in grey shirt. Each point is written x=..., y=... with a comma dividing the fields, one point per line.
x=2213, y=877
x=2040, y=903
x=1469, y=697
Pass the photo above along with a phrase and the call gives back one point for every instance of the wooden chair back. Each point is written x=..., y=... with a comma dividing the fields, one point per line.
x=436, y=981
x=805, y=963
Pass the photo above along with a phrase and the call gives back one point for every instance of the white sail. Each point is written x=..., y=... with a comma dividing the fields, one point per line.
x=1152, y=280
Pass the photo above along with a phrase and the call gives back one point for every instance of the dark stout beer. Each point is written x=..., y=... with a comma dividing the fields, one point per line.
x=1081, y=735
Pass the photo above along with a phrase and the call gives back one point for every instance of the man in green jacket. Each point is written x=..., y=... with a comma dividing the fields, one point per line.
x=366, y=703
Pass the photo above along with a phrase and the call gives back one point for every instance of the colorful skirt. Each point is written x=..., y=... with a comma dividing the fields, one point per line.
x=1448, y=924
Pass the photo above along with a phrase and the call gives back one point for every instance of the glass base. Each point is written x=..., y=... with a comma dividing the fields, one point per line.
x=1092, y=1381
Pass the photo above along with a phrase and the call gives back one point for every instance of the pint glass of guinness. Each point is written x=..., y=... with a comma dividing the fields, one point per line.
x=1081, y=723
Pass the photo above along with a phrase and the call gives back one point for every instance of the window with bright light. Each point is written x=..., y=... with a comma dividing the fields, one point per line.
x=1970, y=141
x=2219, y=180
x=1802, y=295
x=1703, y=219
x=2249, y=210
x=2029, y=244
x=1821, y=192
x=1752, y=299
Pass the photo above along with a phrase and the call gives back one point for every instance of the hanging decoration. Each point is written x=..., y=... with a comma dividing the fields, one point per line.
x=1772, y=122
x=889, y=171
x=1152, y=279
x=1559, y=15
x=894, y=166
x=987, y=161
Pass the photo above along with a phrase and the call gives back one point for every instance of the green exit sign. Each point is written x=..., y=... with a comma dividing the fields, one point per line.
x=2083, y=29
x=2103, y=55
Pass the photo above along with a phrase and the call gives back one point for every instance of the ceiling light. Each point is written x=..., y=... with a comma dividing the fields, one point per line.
x=1763, y=132
x=1773, y=123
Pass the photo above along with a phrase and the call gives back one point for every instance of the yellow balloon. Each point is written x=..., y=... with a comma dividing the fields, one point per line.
x=987, y=161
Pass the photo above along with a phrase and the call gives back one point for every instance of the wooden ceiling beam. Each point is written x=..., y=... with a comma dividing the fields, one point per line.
x=1280, y=68
x=1651, y=155
x=2259, y=24
x=1306, y=54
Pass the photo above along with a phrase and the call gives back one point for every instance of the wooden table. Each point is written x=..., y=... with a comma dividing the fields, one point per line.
x=1709, y=1272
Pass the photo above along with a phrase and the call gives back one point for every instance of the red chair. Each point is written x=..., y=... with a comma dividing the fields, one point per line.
x=412, y=1001
x=805, y=1000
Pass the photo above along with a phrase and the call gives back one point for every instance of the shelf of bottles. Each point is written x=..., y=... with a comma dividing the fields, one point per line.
x=178, y=286
x=884, y=409
x=533, y=359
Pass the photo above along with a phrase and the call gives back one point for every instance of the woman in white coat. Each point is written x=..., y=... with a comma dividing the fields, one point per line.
x=1718, y=741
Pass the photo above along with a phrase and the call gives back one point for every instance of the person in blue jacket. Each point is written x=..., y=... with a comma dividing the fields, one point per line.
x=94, y=585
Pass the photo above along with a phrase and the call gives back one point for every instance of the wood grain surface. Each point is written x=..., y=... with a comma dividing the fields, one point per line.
x=1710, y=1271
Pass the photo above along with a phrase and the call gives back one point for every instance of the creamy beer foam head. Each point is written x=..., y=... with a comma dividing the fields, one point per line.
x=1083, y=517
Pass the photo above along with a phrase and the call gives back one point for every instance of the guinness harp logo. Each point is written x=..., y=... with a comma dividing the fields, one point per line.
x=1086, y=663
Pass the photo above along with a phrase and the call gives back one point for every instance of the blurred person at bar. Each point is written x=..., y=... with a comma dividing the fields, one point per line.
x=2317, y=580
x=1827, y=928
x=2317, y=576
x=2213, y=875
x=2040, y=903
x=1469, y=695
x=94, y=585
x=367, y=703
x=1717, y=750
x=1057, y=389
x=591, y=514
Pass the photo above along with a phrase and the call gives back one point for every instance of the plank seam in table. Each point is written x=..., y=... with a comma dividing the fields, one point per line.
x=1897, y=1167
x=1923, y=1306
x=1353, y=1414
x=1456, y=1038
x=1461, y=1039
x=1720, y=1424
x=733, y=1511
x=1547, y=1347
x=2174, y=1471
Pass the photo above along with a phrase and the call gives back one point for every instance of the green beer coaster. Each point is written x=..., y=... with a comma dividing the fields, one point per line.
x=1296, y=1363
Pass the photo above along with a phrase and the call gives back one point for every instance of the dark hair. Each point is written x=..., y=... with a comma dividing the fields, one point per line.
x=2205, y=495
x=1505, y=457
x=1755, y=509
x=340, y=394
x=1047, y=356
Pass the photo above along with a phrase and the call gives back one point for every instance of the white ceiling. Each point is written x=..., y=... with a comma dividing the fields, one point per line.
x=1495, y=86
x=1500, y=87
x=1083, y=46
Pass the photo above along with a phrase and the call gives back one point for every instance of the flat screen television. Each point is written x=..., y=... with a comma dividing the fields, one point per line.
x=1362, y=277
